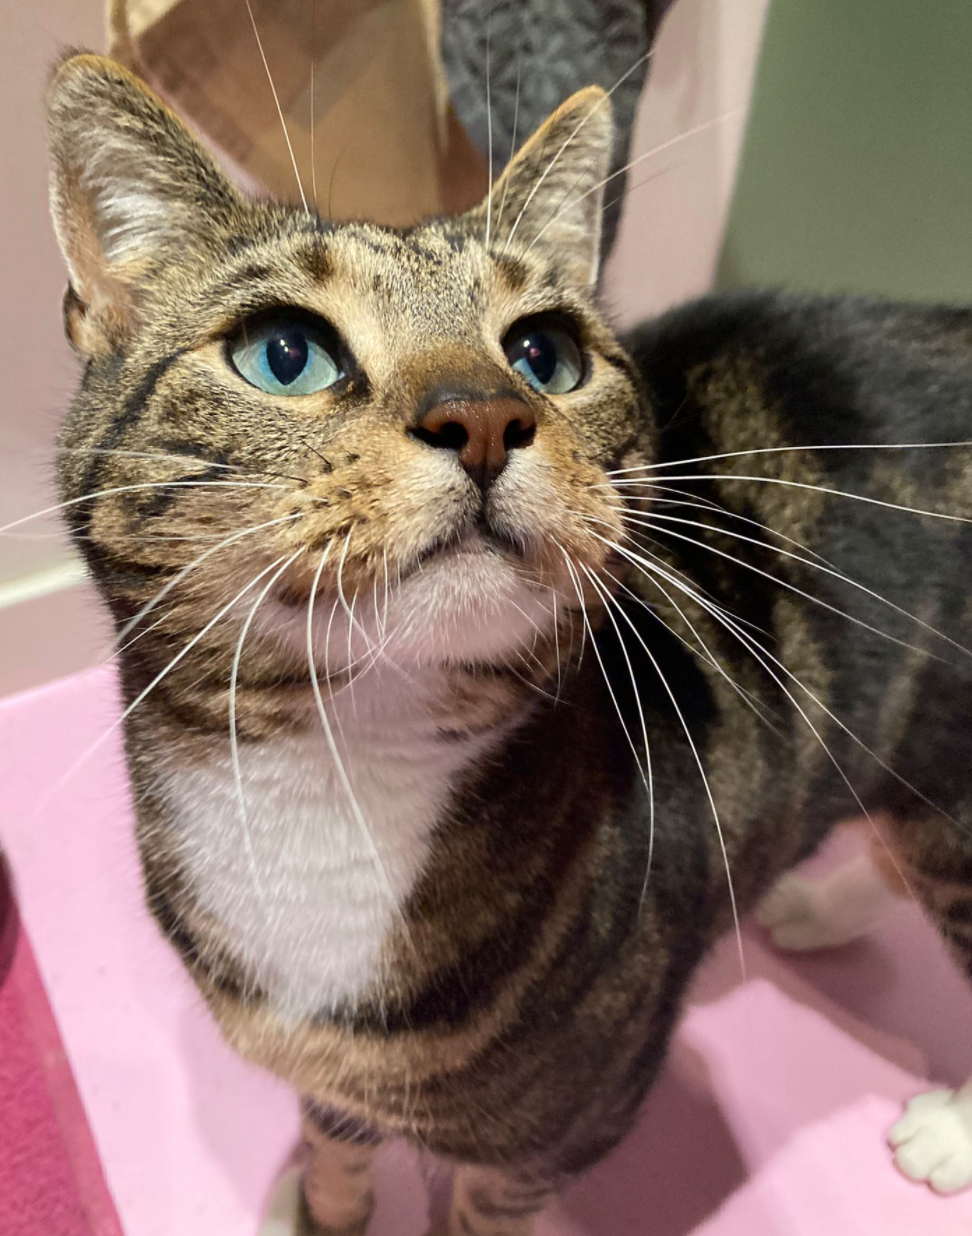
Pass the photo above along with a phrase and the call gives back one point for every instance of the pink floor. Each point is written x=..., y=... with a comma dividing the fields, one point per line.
x=769, y=1119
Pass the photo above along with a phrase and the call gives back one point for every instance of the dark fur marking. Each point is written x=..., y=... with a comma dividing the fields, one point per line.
x=185, y=944
x=164, y=497
x=127, y=572
x=960, y=912
x=316, y=261
x=340, y=1126
x=429, y=256
x=496, y=1212
x=235, y=245
x=254, y=273
x=514, y=272
x=80, y=518
x=370, y=242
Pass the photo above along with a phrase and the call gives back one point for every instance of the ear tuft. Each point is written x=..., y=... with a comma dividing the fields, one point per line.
x=551, y=194
x=129, y=185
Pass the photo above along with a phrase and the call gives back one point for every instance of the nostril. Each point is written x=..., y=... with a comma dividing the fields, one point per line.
x=519, y=434
x=450, y=437
x=482, y=433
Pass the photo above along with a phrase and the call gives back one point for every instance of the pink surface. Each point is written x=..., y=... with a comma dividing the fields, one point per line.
x=769, y=1118
x=50, y=1176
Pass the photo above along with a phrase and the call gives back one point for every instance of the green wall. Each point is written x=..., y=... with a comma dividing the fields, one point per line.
x=856, y=173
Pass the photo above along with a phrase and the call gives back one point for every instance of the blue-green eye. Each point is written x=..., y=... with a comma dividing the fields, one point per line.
x=286, y=355
x=548, y=356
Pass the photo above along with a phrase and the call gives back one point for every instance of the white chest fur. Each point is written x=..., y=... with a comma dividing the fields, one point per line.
x=307, y=899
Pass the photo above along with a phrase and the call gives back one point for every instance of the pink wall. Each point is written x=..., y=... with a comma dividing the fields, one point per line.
x=37, y=366
x=672, y=228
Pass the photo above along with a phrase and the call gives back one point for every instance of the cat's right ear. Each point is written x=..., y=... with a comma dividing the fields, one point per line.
x=552, y=193
x=130, y=187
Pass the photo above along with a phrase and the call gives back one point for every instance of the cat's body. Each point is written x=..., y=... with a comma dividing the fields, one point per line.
x=423, y=880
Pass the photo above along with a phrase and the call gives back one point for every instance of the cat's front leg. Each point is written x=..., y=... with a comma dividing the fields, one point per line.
x=803, y=914
x=488, y=1201
x=331, y=1192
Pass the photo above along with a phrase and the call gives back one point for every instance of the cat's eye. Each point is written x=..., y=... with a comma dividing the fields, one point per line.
x=547, y=354
x=286, y=354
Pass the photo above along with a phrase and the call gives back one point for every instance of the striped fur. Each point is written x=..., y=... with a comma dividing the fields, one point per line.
x=468, y=948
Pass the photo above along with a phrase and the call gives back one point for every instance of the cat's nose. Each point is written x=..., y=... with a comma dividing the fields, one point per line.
x=482, y=432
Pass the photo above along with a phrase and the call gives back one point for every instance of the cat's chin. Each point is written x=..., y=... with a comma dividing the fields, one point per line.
x=471, y=602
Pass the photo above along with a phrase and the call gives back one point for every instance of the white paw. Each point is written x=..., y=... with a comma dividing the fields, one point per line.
x=844, y=905
x=932, y=1141
x=800, y=916
x=283, y=1213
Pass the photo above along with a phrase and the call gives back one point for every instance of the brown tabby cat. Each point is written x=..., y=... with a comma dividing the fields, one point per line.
x=359, y=499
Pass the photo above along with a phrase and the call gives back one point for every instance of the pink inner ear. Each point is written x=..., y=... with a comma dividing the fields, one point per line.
x=770, y=1116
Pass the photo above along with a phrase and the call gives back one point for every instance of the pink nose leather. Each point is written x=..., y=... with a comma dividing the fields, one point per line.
x=482, y=432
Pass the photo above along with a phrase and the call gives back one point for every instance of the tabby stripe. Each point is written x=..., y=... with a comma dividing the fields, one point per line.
x=340, y=1126
x=959, y=913
x=253, y=273
x=160, y=501
x=185, y=943
x=478, y=978
x=129, y=571
x=80, y=518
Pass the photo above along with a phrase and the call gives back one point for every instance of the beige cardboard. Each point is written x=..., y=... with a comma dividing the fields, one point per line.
x=370, y=129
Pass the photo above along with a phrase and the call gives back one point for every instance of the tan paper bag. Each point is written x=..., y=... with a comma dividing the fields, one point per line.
x=361, y=103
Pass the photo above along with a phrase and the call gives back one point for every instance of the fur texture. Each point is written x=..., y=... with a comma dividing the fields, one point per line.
x=389, y=727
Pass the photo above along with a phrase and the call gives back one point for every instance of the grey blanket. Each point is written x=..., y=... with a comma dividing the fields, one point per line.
x=552, y=48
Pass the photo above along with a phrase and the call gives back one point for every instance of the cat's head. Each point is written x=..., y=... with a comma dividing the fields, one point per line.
x=418, y=418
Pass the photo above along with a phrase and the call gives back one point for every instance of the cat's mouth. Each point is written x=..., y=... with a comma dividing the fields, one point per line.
x=476, y=538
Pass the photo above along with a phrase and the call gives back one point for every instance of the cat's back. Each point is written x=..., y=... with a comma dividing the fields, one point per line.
x=833, y=367
x=814, y=471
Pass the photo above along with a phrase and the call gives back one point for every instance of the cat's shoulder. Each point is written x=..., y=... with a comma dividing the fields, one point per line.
x=903, y=369
x=773, y=320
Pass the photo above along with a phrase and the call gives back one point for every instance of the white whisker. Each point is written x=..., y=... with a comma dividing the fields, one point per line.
x=818, y=566
x=177, y=579
x=352, y=676
x=705, y=782
x=708, y=504
x=313, y=53
x=556, y=635
x=784, y=450
x=336, y=755
x=822, y=489
x=648, y=154
x=183, y=652
x=283, y=122
x=706, y=653
x=516, y=117
x=591, y=519
x=646, y=775
x=577, y=128
x=180, y=459
x=124, y=489
x=233, y=735
x=489, y=134
x=759, y=653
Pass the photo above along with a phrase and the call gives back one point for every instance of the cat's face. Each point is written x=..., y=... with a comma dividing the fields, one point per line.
x=413, y=422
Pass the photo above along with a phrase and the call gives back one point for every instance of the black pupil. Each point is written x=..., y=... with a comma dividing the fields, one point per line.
x=540, y=353
x=287, y=355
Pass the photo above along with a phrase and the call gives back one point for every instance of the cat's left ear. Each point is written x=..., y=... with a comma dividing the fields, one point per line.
x=131, y=189
x=551, y=196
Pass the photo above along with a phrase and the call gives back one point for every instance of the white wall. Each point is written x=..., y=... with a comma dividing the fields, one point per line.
x=667, y=250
